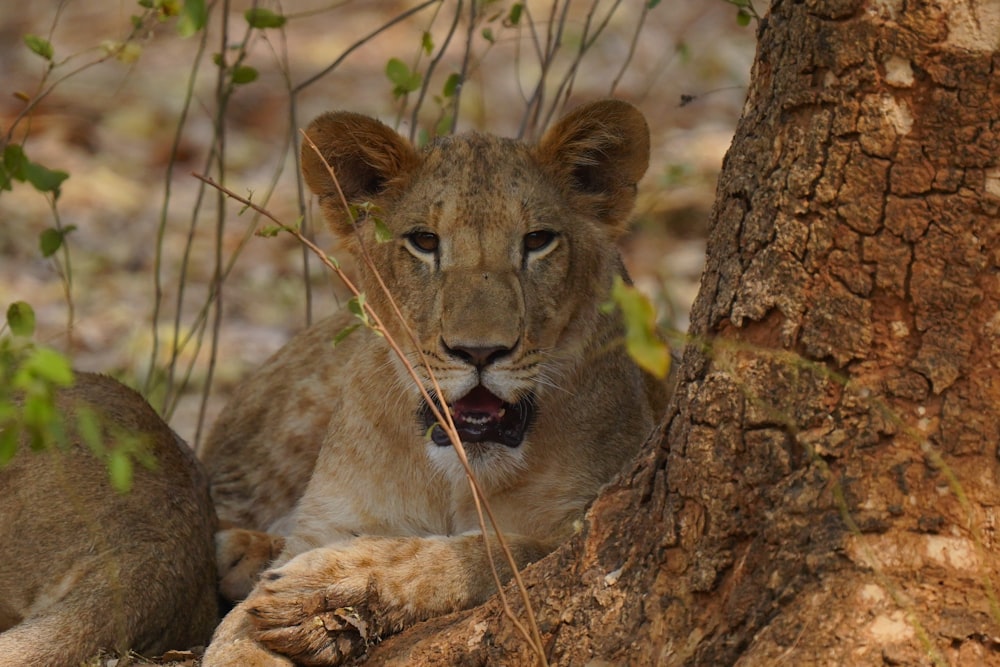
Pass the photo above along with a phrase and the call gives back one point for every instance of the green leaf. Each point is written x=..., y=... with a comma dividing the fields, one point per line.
x=146, y=4
x=361, y=211
x=129, y=53
x=21, y=318
x=344, y=333
x=356, y=305
x=451, y=84
x=244, y=74
x=258, y=17
x=515, y=13
x=268, y=231
x=488, y=35
x=675, y=174
x=646, y=348
x=14, y=161
x=652, y=3
x=39, y=45
x=120, y=469
x=49, y=365
x=743, y=18
x=443, y=126
x=50, y=241
x=8, y=444
x=684, y=51
x=88, y=425
x=397, y=71
x=43, y=178
x=403, y=79
x=138, y=446
x=42, y=421
x=427, y=42
x=193, y=17
x=382, y=233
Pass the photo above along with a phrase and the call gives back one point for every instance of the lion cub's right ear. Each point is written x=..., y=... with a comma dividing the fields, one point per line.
x=367, y=157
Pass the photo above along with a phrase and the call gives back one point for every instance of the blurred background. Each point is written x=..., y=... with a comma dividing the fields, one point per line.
x=138, y=95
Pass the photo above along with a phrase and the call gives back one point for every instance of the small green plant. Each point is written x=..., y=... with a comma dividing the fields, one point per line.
x=745, y=11
x=31, y=376
x=642, y=341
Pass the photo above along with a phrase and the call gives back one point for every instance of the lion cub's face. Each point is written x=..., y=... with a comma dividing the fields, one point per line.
x=500, y=253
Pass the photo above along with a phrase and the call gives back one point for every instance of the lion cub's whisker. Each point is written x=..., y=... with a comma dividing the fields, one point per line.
x=391, y=507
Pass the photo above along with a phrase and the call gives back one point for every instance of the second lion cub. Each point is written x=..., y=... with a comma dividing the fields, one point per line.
x=501, y=254
x=86, y=569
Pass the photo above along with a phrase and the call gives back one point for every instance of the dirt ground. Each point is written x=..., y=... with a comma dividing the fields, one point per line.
x=112, y=127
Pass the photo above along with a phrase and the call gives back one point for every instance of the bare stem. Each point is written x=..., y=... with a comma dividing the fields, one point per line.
x=161, y=229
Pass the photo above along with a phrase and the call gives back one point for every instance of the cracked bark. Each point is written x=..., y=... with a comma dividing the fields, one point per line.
x=825, y=487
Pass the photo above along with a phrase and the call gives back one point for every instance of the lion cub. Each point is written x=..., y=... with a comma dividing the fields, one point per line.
x=84, y=568
x=499, y=256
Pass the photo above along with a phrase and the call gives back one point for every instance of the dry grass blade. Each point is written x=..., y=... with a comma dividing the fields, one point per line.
x=531, y=633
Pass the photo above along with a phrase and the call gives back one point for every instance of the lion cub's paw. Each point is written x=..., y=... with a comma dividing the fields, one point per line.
x=241, y=556
x=320, y=608
x=325, y=634
x=329, y=604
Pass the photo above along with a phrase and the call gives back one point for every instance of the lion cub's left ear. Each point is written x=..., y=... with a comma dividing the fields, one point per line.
x=599, y=151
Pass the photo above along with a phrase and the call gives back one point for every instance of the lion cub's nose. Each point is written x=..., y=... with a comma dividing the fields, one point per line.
x=480, y=357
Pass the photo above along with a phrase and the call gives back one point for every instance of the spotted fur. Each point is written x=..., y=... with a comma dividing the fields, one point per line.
x=501, y=254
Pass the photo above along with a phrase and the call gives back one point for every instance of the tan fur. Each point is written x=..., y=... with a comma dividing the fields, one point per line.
x=84, y=568
x=386, y=527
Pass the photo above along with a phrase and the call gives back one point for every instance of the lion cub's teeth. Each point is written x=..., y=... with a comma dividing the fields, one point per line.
x=502, y=412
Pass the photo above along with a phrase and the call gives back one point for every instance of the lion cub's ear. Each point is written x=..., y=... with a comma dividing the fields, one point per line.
x=367, y=157
x=599, y=151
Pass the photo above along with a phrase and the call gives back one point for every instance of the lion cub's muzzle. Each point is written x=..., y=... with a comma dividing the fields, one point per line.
x=480, y=416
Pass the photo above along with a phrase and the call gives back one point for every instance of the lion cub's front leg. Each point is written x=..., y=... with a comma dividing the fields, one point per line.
x=328, y=604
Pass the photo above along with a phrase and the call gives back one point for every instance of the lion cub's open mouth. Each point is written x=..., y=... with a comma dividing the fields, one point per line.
x=480, y=416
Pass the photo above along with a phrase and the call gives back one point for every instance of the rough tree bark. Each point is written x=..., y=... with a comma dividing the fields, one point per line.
x=826, y=486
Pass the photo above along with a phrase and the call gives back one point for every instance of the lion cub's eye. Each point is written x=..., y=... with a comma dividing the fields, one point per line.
x=535, y=241
x=424, y=241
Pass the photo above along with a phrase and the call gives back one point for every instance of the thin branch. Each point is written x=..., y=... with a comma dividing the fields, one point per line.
x=553, y=43
x=161, y=229
x=111, y=54
x=65, y=275
x=223, y=93
x=356, y=45
x=631, y=48
x=464, y=74
x=431, y=66
x=565, y=88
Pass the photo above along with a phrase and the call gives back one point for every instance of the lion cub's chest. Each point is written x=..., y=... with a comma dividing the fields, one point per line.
x=390, y=490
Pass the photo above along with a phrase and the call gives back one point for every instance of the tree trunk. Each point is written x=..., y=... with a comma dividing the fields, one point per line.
x=825, y=488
